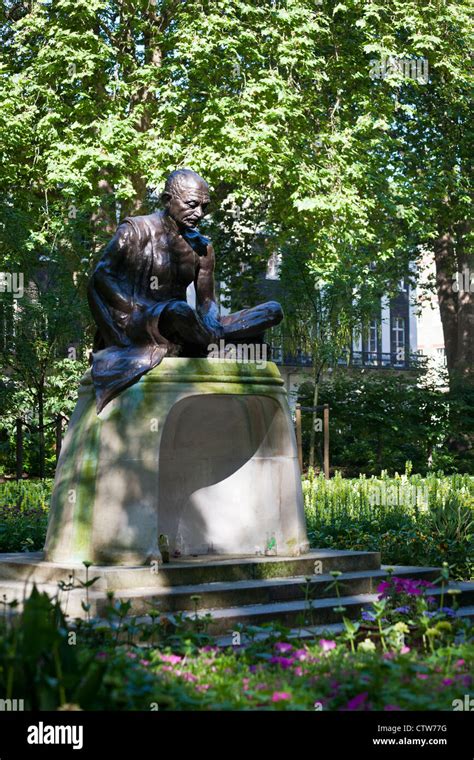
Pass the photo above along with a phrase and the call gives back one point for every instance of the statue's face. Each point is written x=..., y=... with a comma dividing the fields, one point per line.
x=188, y=203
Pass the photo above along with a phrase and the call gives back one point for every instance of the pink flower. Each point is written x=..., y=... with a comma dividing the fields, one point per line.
x=283, y=646
x=404, y=650
x=388, y=655
x=300, y=654
x=327, y=644
x=144, y=662
x=132, y=655
x=279, y=696
x=422, y=676
x=460, y=663
x=189, y=677
x=172, y=658
x=202, y=687
x=298, y=671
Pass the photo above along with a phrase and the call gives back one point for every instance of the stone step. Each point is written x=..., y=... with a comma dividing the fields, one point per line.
x=320, y=612
x=189, y=570
x=221, y=594
x=311, y=631
x=225, y=594
x=267, y=597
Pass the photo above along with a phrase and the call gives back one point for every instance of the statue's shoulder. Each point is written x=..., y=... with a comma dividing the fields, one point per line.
x=145, y=224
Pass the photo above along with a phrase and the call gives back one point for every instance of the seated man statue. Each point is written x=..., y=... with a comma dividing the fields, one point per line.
x=137, y=293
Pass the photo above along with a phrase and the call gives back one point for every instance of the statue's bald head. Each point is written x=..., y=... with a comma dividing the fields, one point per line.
x=182, y=178
x=185, y=197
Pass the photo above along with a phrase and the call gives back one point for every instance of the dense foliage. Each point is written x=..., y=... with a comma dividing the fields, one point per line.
x=379, y=420
x=409, y=519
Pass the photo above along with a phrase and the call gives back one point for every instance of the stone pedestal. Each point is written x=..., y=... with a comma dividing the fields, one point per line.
x=202, y=450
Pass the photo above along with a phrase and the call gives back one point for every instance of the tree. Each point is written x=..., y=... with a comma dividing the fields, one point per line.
x=276, y=103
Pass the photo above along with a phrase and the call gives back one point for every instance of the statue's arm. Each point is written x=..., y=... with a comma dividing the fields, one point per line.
x=105, y=281
x=205, y=293
x=111, y=296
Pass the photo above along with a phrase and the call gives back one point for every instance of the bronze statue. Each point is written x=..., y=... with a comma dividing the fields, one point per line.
x=137, y=293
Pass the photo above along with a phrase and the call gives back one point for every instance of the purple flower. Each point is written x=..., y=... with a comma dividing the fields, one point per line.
x=448, y=611
x=384, y=586
x=358, y=701
x=447, y=681
x=409, y=586
x=284, y=662
x=403, y=610
x=283, y=646
x=368, y=615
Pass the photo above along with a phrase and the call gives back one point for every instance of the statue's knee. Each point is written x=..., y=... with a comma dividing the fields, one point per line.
x=275, y=311
x=180, y=310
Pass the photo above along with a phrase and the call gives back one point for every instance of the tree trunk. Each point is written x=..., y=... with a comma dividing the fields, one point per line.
x=456, y=302
x=314, y=416
x=41, y=429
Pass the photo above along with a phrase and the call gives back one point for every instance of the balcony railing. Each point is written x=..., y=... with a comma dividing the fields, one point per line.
x=369, y=359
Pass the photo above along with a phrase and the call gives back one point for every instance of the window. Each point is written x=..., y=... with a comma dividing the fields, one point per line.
x=273, y=266
x=398, y=338
x=374, y=336
x=276, y=343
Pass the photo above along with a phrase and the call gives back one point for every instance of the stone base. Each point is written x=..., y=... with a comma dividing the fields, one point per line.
x=202, y=450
